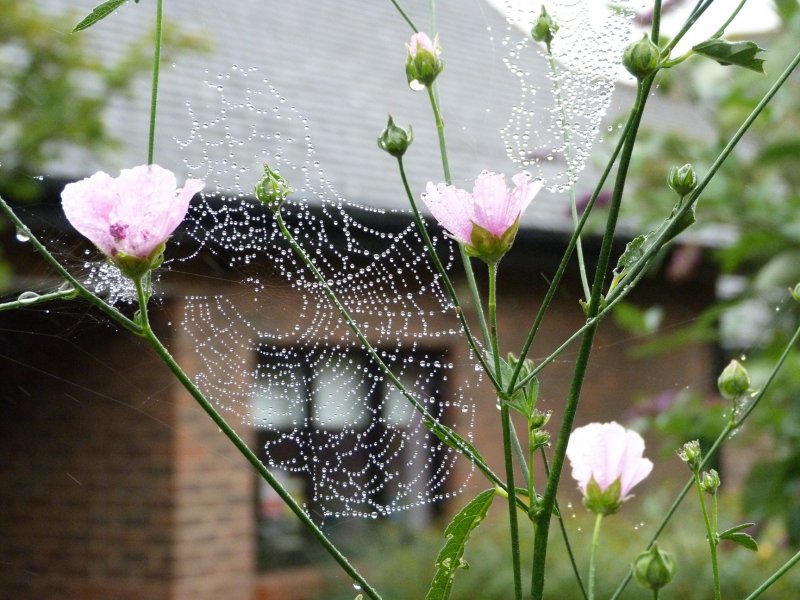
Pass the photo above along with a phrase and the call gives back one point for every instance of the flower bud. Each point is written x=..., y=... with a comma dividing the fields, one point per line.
x=734, y=382
x=710, y=482
x=641, y=58
x=423, y=64
x=272, y=189
x=690, y=454
x=654, y=568
x=544, y=28
x=540, y=439
x=395, y=140
x=682, y=180
x=539, y=419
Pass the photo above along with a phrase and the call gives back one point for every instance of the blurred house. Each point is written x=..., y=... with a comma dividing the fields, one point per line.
x=114, y=484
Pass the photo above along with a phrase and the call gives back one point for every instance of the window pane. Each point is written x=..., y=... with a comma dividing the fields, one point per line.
x=341, y=393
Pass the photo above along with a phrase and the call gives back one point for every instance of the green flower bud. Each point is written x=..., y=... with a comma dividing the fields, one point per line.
x=734, y=382
x=641, y=58
x=272, y=189
x=654, y=568
x=540, y=439
x=544, y=28
x=710, y=482
x=395, y=140
x=423, y=64
x=539, y=419
x=690, y=454
x=682, y=180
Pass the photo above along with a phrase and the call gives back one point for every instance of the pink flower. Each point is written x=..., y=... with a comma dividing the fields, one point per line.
x=604, y=454
x=421, y=41
x=490, y=209
x=129, y=217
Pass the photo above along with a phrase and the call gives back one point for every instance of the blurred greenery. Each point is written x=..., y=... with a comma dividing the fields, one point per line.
x=756, y=195
x=401, y=567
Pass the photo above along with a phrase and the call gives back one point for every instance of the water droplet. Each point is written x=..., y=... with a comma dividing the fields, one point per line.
x=28, y=297
x=22, y=235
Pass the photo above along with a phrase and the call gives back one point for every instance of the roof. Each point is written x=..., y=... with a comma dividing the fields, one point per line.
x=337, y=67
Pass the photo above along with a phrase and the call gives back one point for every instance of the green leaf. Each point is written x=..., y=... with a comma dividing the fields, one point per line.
x=742, y=539
x=735, y=529
x=740, y=54
x=457, y=534
x=98, y=13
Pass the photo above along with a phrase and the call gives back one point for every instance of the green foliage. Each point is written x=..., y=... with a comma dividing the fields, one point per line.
x=57, y=91
x=99, y=13
x=457, y=534
x=740, y=54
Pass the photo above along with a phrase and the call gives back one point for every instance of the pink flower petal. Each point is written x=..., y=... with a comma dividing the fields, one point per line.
x=421, y=41
x=452, y=207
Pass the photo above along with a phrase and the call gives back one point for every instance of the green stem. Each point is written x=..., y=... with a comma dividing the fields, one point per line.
x=564, y=535
x=582, y=362
x=721, y=31
x=656, y=25
x=698, y=11
x=154, y=88
x=505, y=417
x=405, y=16
x=465, y=260
x=727, y=430
x=562, y=267
x=38, y=299
x=774, y=577
x=442, y=432
x=568, y=157
x=593, y=554
x=262, y=470
x=81, y=290
x=712, y=535
x=448, y=283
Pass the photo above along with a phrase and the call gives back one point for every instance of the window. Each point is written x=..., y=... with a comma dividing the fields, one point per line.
x=343, y=440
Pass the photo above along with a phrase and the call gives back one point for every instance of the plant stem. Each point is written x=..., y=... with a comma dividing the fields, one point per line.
x=564, y=535
x=38, y=299
x=405, y=16
x=444, y=433
x=712, y=535
x=721, y=31
x=505, y=418
x=593, y=553
x=448, y=283
x=551, y=61
x=774, y=577
x=229, y=432
x=582, y=362
x=81, y=290
x=154, y=88
x=465, y=260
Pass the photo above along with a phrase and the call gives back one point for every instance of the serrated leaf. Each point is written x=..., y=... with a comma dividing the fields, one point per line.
x=743, y=539
x=98, y=13
x=740, y=54
x=735, y=529
x=456, y=535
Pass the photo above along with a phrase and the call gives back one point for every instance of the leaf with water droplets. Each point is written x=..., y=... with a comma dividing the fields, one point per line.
x=457, y=534
x=98, y=13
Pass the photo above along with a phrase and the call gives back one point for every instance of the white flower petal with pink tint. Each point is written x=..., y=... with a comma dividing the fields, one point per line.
x=606, y=452
x=491, y=205
x=421, y=41
x=132, y=214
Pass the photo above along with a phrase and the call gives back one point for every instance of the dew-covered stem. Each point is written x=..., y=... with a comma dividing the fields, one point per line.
x=698, y=11
x=32, y=300
x=78, y=287
x=505, y=419
x=465, y=260
x=431, y=422
x=154, y=86
x=582, y=362
x=551, y=61
x=448, y=283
